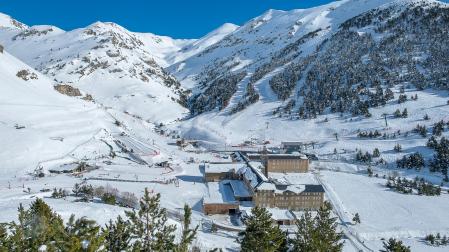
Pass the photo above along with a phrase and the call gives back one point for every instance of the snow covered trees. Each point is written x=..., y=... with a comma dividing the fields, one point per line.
x=40, y=226
x=414, y=160
x=417, y=186
x=251, y=96
x=440, y=160
x=216, y=95
x=117, y=235
x=283, y=83
x=394, y=245
x=356, y=218
x=437, y=240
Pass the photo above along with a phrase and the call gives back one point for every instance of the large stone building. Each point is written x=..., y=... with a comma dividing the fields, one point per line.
x=292, y=197
x=231, y=184
x=287, y=163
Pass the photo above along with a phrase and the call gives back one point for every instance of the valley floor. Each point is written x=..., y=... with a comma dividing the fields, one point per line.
x=384, y=213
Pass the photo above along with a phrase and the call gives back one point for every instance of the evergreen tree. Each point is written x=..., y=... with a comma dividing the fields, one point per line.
x=81, y=231
x=404, y=113
x=370, y=172
x=318, y=234
x=376, y=153
x=398, y=148
x=3, y=238
x=394, y=246
x=305, y=236
x=117, y=235
x=261, y=233
x=356, y=218
x=188, y=234
x=149, y=225
x=36, y=227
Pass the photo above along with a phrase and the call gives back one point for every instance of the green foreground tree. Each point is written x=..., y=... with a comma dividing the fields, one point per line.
x=261, y=233
x=394, y=245
x=144, y=230
x=319, y=233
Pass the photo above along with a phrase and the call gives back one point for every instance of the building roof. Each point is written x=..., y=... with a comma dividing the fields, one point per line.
x=226, y=191
x=223, y=167
x=239, y=188
x=249, y=175
x=280, y=214
x=293, y=178
x=292, y=143
x=314, y=188
x=269, y=186
x=276, y=213
x=282, y=188
x=219, y=193
x=286, y=156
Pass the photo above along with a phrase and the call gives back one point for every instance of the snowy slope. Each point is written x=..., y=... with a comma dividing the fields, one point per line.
x=280, y=55
x=37, y=123
x=104, y=60
x=8, y=22
x=262, y=36
x=197, y=46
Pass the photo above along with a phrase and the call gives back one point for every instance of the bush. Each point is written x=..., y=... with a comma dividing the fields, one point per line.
x=412, y=161
x=108, y=198
x=26, y=75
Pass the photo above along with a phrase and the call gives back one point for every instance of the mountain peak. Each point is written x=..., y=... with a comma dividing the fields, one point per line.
x=8, y=22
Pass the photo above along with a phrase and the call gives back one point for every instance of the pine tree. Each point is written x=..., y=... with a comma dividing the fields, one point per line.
x=398, y=148
x=37, y=226
x=4, y=241
x=328, y=238
x=79, y=231
x=370, y=172
x=318, y=234
x=188, y=234
x=261, y=233
x=305, y=236
x=404, y=113
x=356, y=218
x=376, y=153
x=149, y=225
x=397, y=113
x=117, y=235
x=394, y=246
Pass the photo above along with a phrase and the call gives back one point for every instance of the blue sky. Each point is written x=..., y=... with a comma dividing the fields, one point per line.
x=175, y=18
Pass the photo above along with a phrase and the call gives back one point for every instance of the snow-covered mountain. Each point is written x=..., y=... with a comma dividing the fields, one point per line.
x=116, y=67
x=37, y=123
x=292, y=46
x=8, y=22
x=199, y=45
x=347, y=79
